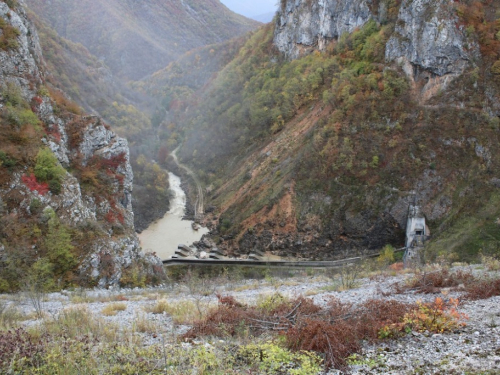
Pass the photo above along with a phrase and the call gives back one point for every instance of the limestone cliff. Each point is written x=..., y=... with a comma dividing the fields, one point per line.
x=303, y=25
x=92, y=195
x=427, y=39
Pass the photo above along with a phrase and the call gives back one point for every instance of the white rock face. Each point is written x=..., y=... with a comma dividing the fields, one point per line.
x=303, y=25
x=427, y=37
x=19, y=63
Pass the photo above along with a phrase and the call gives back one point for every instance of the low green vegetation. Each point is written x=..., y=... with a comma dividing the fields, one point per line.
x=48, y=169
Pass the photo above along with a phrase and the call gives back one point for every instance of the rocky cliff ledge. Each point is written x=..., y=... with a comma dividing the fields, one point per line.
x=91, y=197
x=427, y=40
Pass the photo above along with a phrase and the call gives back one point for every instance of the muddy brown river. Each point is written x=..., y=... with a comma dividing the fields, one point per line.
x=164, y=235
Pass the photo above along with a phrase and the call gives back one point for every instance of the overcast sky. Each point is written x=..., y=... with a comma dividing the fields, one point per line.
x=251, y=8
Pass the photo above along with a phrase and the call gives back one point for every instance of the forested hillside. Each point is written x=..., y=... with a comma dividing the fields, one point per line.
x=137, y=38
x=315, y=137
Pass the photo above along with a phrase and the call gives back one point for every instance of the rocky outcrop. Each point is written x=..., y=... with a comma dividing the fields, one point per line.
x=20, y=64
x=79, y=143
x=429, y=45
x=304, y=25
x=427, y=37
x=427, y=41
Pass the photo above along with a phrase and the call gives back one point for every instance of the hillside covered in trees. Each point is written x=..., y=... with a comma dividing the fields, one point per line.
x=315, y=137
x=137, y=38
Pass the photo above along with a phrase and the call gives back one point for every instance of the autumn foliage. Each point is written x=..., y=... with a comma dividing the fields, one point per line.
x=337, y=330
x=31, y=182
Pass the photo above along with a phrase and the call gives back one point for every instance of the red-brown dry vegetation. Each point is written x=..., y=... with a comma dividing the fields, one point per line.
x=336, y=331
x=433, y=282
x=482, y=289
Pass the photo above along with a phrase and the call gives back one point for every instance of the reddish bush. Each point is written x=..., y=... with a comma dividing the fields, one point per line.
x=482, y=289
x=110, y=217
x=120, y=218
x=337, y=341
x=37, y=100
x=223, y=321
x=432, y=282
x=397, y=266
x=336, y=331
x=54, y=133
x=32, y=184
x=228, y=301
x=114, y=162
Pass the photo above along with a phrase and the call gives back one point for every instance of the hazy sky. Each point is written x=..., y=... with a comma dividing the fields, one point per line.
x=251, y=8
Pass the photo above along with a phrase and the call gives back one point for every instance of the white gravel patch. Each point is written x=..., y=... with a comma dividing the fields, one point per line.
x=473, y=349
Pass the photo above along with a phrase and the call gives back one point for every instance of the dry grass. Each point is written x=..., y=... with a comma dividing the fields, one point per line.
x=182, y=311
x=113, y=308
x=242, y=288
x=161, y=306
x=144, y=325
x=75, y=322
x=9, y=316
x=83, y=297
x=491, y=263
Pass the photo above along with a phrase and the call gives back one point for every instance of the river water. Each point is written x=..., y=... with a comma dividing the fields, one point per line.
x=164, y=235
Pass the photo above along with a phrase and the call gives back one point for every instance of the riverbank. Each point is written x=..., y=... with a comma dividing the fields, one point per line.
x=156, y=318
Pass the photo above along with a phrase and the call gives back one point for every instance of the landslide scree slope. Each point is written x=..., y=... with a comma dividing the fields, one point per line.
x=313, y=138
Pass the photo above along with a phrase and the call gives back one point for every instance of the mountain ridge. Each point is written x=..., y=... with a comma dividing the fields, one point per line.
x=124, y=33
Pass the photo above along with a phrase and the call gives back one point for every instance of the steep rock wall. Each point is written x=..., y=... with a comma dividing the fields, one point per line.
x=427, y=36
x=78, y=142
x=427, y=41
x=303, y=25
x=429, y=44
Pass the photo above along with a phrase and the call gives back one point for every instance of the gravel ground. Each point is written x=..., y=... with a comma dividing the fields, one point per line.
x=473, y=349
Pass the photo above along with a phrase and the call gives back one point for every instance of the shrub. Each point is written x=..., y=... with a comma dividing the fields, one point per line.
x=6, y=161
x=11, y=3
x=21, y=116
x=386, y=256
x=439, y=316
x=482, y=289
x=336, y=331
x=32, y=184
x=18, y=348
x=58, y=244
x=47, y=166
x=273, y=359
x=270, y=303
x=432, y=282
x=8, y=39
